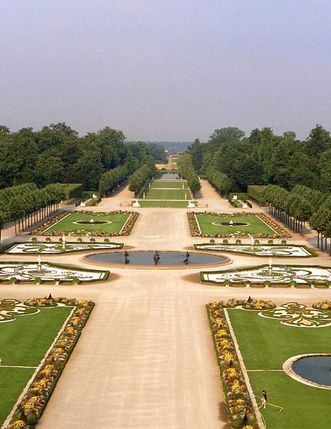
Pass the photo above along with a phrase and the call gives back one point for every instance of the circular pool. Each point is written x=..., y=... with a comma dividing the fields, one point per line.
x=229, y=223
x=156, y=259
x=92, y=222
x=312, y=369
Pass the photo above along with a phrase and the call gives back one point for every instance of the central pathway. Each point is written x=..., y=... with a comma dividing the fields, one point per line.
x=145, y=359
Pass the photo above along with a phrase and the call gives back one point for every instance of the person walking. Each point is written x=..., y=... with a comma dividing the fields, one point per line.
x=264, y=399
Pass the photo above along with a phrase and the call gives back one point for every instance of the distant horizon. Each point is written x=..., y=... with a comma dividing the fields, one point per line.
x=163, y=140
x=166, y=70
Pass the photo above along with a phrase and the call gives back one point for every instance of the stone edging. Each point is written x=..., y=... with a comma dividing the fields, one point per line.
x=244, y=371
x=288, y=369
x=33, y=376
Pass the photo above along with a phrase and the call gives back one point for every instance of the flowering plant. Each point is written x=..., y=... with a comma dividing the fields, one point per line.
x=35, y=399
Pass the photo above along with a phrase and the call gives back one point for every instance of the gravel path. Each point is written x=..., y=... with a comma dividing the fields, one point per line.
x=145, y=359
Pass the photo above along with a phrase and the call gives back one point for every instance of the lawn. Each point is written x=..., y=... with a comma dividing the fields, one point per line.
x=253, y=225
x=24, y=342
x=164, y=204
x=167, y=194
x=265, y=344
x=168, y=184
x=67, y=224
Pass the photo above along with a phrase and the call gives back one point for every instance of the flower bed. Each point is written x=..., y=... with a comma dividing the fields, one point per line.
x=45, y=229
x=239, y=404
x=32, y=405
x=57, y=247
x=272, y=275
x=322, y=305
x=261, y=250
x=46, y=272
x=279, y=231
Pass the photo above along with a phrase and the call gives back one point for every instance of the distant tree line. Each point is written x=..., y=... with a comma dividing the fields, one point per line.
x=264, y=158
x=57, y=153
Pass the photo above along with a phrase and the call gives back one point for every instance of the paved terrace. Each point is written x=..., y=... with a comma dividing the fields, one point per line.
x=145, y=359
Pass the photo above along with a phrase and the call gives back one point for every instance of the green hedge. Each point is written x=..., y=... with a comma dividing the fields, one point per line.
x=72, y=190
x=256, y=192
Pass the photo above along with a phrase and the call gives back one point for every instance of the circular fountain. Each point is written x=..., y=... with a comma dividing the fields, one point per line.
x=166, y=259
x=311, y=369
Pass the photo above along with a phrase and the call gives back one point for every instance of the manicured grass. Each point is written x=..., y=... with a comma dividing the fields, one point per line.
x=67, y=223
x=24, y=342
x=160, y=203
x=168, y=184
x=254, y=224
x=167, y=194
x=265, y=344
x=12, y=382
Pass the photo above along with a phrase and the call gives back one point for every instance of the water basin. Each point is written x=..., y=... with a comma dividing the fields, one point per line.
x=165, y=259
x=316, y=369
x=169, y=176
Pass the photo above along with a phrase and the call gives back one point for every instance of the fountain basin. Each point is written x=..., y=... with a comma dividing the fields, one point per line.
x=230, y=223
x=145, y=259
x=92, y=222
x=311, y=369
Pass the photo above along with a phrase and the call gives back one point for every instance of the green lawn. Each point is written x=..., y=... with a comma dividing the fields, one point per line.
x=167, y=194
x=12, y=382
x=24, y=342
x=160, y=203
x=117, y=220
x=168, y=184
x=254, y=224
x=265, y=344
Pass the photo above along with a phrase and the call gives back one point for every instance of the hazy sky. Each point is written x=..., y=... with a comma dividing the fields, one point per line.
x=166, y=70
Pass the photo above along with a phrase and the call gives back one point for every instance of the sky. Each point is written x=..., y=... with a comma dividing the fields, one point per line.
x=163, y=69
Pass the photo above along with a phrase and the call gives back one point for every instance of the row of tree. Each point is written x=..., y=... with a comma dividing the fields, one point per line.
x=187, y=171
x=57, y=153
x=300, y=205
x=112, y=179
x=263, y=158
x=219, y=180
x=142, y=176
x=26, y=204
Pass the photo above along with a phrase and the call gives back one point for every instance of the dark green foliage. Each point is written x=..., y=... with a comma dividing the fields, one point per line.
x=264, y=158
x=57, y=154
x=219, y=180
x=186, y=170
x=140, y=177
x=21, y=200
x=256, y=192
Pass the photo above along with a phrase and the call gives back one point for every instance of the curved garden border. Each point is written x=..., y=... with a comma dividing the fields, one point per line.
x=288, y=369
x=311, y=252
x=38, y=280
x=6, y=248
x=312, y=284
